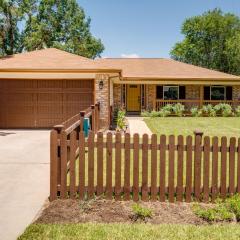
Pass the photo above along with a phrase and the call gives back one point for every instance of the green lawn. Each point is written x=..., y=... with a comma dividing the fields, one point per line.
x=218, y=126
x=128, y=232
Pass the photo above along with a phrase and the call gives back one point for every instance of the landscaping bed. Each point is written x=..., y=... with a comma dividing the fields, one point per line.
x=107, y=211
x=105, y=219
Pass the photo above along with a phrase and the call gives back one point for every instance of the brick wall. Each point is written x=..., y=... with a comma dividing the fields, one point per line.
x=102, y=96
x=151, y=96
x=116, y=96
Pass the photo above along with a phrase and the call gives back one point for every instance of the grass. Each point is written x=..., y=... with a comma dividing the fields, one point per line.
x=216, y=126
x=92, y=231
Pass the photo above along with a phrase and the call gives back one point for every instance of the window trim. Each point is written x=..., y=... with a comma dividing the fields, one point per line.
x=177, y=86
x=225, y=93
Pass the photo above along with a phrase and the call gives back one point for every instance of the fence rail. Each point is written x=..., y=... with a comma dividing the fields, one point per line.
x=63, y=140
x=129, y=167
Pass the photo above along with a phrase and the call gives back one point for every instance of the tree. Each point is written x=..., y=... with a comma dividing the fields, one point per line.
x=9, y=32
x=61, y=24
x=46, y=23
x=208, y=40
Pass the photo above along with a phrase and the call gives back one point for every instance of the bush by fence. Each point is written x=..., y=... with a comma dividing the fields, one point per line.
x=127, y=167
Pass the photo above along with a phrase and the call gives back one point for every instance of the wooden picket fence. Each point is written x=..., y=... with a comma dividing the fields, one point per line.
x=124, y=167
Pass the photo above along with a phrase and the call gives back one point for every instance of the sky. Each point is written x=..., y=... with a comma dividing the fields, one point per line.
x=145, y=28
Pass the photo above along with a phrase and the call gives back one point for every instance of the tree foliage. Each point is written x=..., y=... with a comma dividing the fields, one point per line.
x=46, y=23
x=211, y=40
x=9, y=32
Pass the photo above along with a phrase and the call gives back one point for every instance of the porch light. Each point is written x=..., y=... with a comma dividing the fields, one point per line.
x=101, y=85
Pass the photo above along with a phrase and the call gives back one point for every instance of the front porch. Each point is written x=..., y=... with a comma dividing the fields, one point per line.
x=147, y=97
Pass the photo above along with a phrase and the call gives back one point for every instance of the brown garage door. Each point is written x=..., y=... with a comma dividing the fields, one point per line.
x=42, y=103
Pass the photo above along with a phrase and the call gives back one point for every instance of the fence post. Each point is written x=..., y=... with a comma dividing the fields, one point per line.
x=53, y=164
x=97, y=108
x=82, y=115
x=198, y=132
x=93, y=118
x=197, y=163
x=59, y=129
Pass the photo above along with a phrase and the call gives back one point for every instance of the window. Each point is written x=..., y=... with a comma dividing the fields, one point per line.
x=218, y=93
x=171, y=92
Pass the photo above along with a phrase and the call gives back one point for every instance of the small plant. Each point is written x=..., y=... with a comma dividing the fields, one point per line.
x=155, y=114
x=121, y=119
x=233, y=205
x=209, y=110
x=237, y=111
x=168, y=107
x=213, y=214
x=224, y=109
x=141, y=212
x=164, y=113
x=178, y=109
x=145, y=114
x=195, y=112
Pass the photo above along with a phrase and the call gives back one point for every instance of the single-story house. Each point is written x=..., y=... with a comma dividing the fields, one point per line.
x=45, y=87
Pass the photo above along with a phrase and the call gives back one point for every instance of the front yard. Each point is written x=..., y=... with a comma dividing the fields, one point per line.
x=118, y=231
x=215, y=126
x=98, y=219
x=105, y=219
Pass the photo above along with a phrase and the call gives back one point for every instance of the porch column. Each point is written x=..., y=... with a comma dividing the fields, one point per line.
x=102, y=96
x=201, y=95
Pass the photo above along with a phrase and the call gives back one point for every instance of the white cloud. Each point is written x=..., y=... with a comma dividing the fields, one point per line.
x=132, y=55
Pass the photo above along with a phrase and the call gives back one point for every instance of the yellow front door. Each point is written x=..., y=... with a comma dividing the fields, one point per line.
x=133, y=98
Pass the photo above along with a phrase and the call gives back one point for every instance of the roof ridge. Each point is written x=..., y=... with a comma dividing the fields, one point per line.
x=140, y=58
x=45, y=49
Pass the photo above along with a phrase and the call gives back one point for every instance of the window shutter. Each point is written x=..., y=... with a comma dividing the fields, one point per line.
x=229, y=93
x=206, y=93
x=159, y=92
x=182, y=92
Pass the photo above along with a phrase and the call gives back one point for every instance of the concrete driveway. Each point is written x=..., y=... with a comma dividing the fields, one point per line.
x=24, y=178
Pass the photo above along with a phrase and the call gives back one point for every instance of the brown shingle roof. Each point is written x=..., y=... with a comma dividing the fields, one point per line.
x=49, y=59
x=160, y=68
x=138, y=68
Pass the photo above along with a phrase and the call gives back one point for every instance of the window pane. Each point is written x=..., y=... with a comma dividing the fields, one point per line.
x=170, y=93
x=217, y=93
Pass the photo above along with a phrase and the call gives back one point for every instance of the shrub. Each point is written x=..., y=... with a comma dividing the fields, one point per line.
x=164, y=113
x=224, y=109
x=237, y=111
x=213, y=214
x=121, y=119
x=195, y=112
x=209, y=110
x=141, y=212
x=155, y=114
x=168, y=107
x=233, y=205
x=178, y=109
x=145, y=114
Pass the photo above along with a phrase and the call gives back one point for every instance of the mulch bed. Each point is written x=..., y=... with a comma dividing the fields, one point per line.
x=107, y=211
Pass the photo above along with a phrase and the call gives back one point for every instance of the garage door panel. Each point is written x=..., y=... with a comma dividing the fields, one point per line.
x=50, y=84
x=42, y=103
x=79, y=84
x=20, y=85
x=20, y=98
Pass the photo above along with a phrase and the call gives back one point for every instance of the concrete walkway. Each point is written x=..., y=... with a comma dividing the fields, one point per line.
x=24, y=179
x=137, y=125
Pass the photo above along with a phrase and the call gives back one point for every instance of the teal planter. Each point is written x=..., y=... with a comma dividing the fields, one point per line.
x=86, y=126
